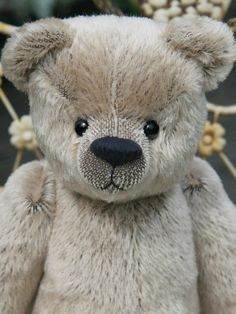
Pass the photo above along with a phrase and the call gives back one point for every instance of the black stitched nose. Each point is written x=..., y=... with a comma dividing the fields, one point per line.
x=116, y=151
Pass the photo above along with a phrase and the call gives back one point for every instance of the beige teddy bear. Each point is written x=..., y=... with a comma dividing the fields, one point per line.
x=110, y=223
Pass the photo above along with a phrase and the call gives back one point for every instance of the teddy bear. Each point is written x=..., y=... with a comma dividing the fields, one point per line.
x=120, y=217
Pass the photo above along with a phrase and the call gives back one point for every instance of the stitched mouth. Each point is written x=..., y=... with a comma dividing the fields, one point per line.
x=112, y=183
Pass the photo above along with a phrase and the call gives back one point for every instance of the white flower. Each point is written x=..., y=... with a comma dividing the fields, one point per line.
x=188, y=2
x=205, y=8
x=174, y=11
x=217, y=13
x=189, y=16
x=216, y=9
x=158, y=3
x=202, y=1
x=191, y=10
x=217, y=2
x=174, y=3
x=161, y=15
x=22, y=134
x=147, y=9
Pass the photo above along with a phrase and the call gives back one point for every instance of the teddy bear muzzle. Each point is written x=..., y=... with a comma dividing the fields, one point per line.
x=116, y=151
x=112, y=164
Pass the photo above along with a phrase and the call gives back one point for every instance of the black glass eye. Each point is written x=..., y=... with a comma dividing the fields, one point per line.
x=81, y=126
x=151, y=129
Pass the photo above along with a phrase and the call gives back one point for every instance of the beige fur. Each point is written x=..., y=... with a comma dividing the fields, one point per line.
x=214, y=233
x=32, y=42
x=26, y=212
x=153, y=242
x=211, y=44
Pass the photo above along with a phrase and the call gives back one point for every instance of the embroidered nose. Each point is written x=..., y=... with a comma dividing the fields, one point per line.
x=116, y=151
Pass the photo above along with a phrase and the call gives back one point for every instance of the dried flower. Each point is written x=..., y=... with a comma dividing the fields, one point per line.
x=212, y=140
x=164, y=10
x=22, y=134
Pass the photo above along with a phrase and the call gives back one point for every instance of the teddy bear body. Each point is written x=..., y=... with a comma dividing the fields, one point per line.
x=119, y=217
x=94, y=257
x=118, y=248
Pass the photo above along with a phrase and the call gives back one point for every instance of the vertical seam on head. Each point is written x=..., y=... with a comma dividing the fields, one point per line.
x=114, y=95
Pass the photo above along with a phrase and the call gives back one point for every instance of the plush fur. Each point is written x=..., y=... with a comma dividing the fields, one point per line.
x=155, y=235
x=29, y=45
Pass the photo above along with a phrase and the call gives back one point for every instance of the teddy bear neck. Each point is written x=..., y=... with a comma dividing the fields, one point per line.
x=66, y=196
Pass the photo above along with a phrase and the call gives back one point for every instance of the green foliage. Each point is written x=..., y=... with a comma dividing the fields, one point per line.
x=130, y=7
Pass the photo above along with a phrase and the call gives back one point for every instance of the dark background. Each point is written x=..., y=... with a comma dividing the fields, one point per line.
x=19, y=11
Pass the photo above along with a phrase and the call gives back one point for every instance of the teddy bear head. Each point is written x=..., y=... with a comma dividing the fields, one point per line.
x=118, y=103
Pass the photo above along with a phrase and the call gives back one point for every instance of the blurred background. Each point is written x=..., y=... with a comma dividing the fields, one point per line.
x=17, y=12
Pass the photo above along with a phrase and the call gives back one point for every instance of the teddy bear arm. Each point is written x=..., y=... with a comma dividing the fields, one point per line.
x=214, y=228
x=26, y=213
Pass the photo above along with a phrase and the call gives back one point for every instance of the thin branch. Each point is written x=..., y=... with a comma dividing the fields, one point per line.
x=18, y=159
x=232, y=24
x=8, y=105
x=1, y=73
x=38, y=153
x=228, y=163
x=227, y=110
x=107, y=7
x=226, y=5
x=7, y=29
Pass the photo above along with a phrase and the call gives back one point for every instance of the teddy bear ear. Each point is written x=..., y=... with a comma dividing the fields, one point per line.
x=29, y=45
x=209, y=42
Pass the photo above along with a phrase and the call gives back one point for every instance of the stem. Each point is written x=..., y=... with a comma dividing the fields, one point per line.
x=216, y=116
x=225, y=5
x=232, y=24
x=18, y=159
x=228, y=110
x=8, y=105
x=7, y=29
x=38, y=153
x=1, y=73
x=228, y=163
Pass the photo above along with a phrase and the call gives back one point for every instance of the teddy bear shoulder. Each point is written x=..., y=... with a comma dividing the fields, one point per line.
x=206, y=197
x=29, y=190
x=201, y=182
